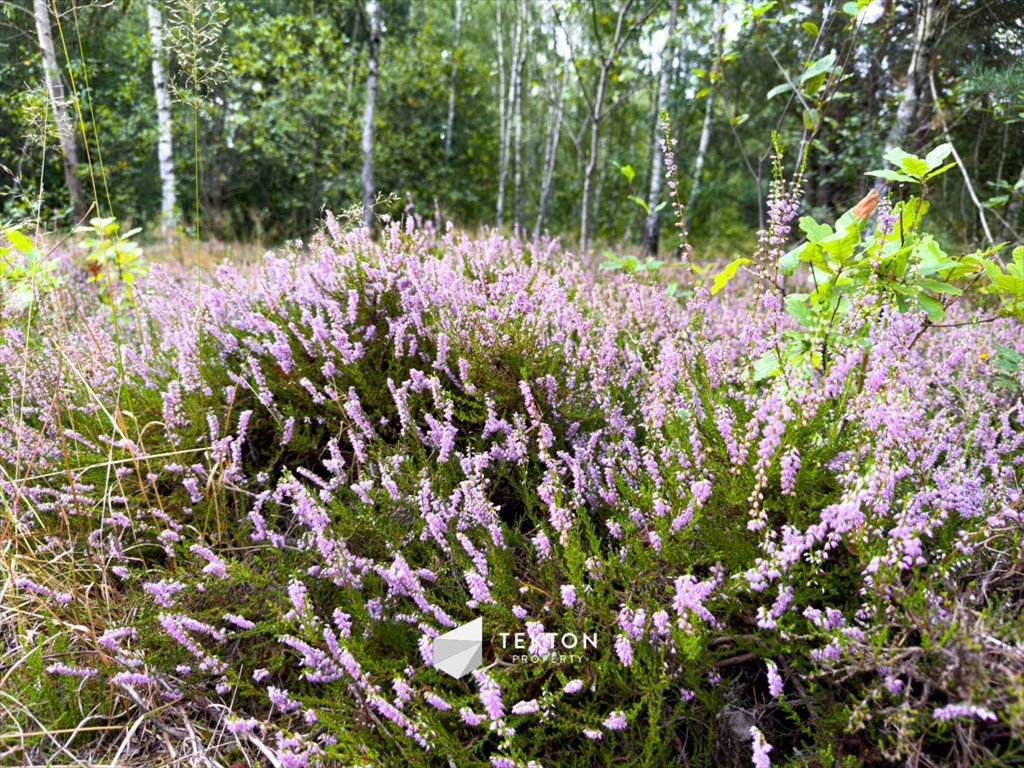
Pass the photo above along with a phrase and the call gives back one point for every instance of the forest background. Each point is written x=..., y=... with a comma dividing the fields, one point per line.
x=251, y=117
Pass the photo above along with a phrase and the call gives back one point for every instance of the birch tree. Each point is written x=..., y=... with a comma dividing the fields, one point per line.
x=653, y=227
x=506, y=106
x=607, y=58
x=450, y=126
x=58, y=103
x=165, y=146
x=373, y=11
x=517, y=113
x=709, y=109
x=551, y=144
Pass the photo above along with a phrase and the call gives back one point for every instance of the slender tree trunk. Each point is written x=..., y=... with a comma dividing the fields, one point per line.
x=595, y=204
x=930, y=17
x=165, y=147
x=588, y=171
x=653, y=228
x=705, y=129
x=551, y=148
x=506, y=104
x=502, y=123
x=517, y=115
x=373, y=10
x=451, y=83
x=55, y=90
x=596, y=119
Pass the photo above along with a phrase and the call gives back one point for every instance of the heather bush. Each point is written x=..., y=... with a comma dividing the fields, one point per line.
x=789, y=517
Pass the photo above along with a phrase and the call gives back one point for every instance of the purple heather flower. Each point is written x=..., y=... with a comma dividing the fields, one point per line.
x=624, y=650
x=775, y=685
x=953, y=711
x=526, y=707
x=573, y=686
x=616, y=721
x=490, y=695
x=760, y=749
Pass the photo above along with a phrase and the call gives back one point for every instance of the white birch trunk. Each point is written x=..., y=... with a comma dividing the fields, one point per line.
x=705, y=129
x=373, y=10
x=517, y=116
x=450, y=126
x=65, y=127
x=653, y=228
x=165, y=146
x=551, y=149
x=596, y=118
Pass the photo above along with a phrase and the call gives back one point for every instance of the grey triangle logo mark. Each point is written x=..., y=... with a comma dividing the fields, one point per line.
x=459, y=652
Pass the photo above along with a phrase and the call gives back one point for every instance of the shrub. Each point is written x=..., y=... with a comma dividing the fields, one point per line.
x=251, y=516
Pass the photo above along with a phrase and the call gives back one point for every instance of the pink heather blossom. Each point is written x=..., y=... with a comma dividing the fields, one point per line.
x=469, y=717
x=573, y=686
x=541, y=643
x=59, y=668
x=624, y=650
x=239, y=621
x=775, y=684
x=616, y=721
x=568, y=595
x=61, y=598
x=490, y=695
x=690, y=596
x=954, y=711
x=138, y=679
x=436, y=701
x=526, y=707
x=760, y=749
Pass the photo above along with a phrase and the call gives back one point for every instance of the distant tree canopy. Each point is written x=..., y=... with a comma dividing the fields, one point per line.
x=268, y=96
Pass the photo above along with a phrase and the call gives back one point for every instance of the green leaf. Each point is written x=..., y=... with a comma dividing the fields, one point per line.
x=896, y=156
x=842, y=244
x=784, y=88
x=892, y=176
x=815, y=232
x=1017, y=267
x=937, y=286
x=821, y=66
x=811, y=119
x=810, y=28
x=788, y=262
x=628, y=172
x=727, y=274
x=797, y=308
x=640, y=202
x=936, y=156
x=914, y=166
x=740, y=119
x=851, y=9
x=767, y=365
x=18, y=240
x=938, y=171
x=932, y=306
x=702, y=93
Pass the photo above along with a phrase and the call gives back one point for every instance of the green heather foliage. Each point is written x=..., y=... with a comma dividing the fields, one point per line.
x=789, y=513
